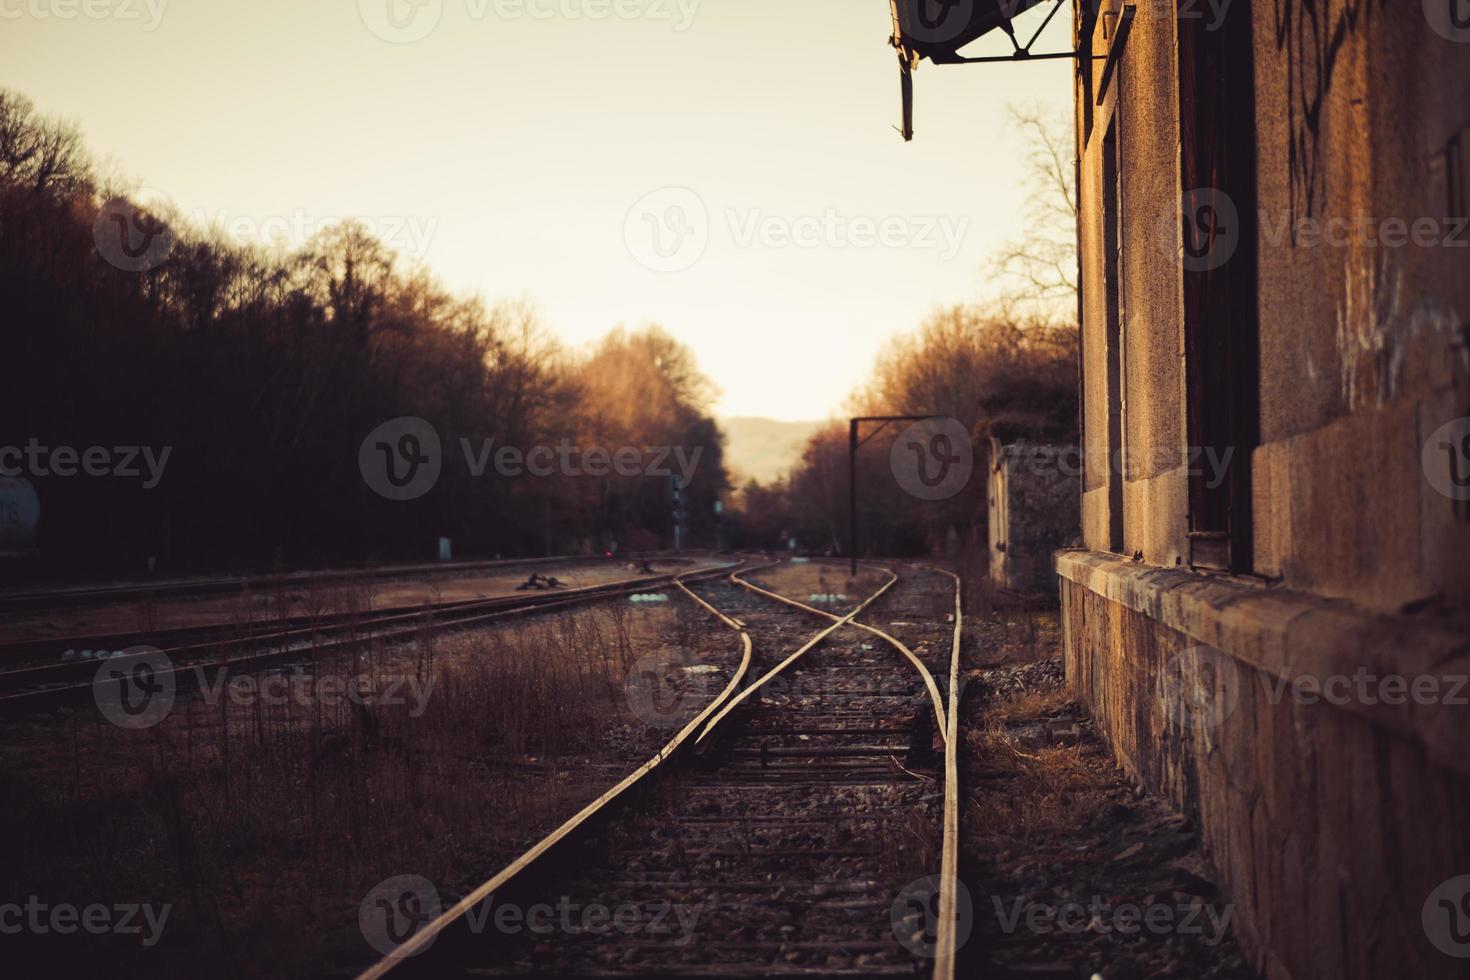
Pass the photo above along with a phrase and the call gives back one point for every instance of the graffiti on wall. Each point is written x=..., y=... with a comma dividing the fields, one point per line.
x=1311, y=35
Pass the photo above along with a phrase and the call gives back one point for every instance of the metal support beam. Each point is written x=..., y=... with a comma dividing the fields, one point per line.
x=853, y=445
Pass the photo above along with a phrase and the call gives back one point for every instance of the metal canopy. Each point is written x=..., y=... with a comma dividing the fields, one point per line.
x=937, y=29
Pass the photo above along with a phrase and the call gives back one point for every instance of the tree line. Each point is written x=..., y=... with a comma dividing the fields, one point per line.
x=261, y=370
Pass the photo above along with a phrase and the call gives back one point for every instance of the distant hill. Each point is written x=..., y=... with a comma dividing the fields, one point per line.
x=764, y=449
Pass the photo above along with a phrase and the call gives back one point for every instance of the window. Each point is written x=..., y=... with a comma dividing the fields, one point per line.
x=1112, y=273
x=1221, y=331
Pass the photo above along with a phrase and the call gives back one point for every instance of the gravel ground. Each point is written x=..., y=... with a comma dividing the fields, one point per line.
x=1072, y=871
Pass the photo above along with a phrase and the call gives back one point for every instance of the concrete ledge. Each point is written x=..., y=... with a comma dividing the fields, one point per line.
x=1299, y=638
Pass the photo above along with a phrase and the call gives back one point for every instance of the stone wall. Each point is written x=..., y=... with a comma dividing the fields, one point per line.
x=1034, y=494
x=1332, y=819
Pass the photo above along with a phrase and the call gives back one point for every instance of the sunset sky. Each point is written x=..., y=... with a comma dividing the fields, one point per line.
x=528, y=148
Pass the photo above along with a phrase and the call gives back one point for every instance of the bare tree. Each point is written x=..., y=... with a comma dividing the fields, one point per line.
x=1040, y=270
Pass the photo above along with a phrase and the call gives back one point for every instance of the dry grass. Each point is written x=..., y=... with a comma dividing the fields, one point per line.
x=265, y=823
x=1028, y=792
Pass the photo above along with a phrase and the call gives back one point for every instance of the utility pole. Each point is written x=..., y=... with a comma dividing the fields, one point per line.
x=853, y=445
x=677, y=488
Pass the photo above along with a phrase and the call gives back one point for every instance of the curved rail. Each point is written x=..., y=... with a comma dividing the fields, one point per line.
x=421, y=939
x=710, y=717
x=841, y=622
x=19, y=692
x=929, y=682
x=945, y=944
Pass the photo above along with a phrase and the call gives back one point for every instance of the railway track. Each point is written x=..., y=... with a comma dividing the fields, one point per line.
x=65, y=597
x=803, y=824
x=261, y=645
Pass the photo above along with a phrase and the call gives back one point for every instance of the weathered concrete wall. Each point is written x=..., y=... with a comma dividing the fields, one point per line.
x=1034, y=493
x=1363, y=129
x=1363, y=111
x=1331, y=823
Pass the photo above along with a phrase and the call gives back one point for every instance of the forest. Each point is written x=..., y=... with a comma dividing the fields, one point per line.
x=260, y=371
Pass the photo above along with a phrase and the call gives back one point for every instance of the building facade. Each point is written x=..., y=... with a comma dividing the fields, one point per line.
x=1031, y=492
x=1268, y=618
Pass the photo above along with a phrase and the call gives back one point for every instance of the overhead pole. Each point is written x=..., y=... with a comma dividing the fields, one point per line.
x=852, y=448
x=853, y=445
